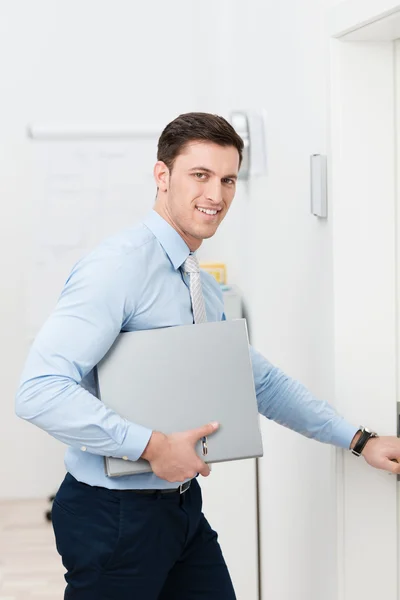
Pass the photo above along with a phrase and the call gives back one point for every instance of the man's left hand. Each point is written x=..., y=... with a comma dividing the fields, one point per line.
x=382, y=453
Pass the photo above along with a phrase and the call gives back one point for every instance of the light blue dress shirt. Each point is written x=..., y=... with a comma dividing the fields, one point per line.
x=133, y=281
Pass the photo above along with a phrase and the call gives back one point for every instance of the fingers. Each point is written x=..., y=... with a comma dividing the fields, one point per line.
x=392, y=466
x=203, y=431
x=204, y=469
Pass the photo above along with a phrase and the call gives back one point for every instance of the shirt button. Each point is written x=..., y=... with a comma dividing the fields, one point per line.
x=83, y=448
x=124, y=458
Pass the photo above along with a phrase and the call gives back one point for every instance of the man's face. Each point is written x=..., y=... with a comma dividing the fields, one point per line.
x=196, y=196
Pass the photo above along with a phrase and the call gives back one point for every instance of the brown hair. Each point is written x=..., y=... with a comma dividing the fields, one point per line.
x=192, y=127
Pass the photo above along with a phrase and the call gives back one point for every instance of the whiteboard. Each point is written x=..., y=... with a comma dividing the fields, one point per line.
x=83, y=190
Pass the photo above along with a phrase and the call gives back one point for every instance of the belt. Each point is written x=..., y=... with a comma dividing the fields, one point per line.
x=181, y=490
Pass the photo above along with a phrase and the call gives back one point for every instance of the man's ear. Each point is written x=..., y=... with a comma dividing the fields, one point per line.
x=161, y=176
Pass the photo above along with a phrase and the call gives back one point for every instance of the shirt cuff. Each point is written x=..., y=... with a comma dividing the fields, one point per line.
x=343, y=434
x=135, y=442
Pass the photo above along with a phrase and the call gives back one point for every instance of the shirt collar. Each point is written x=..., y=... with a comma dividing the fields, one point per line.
x=176, y=248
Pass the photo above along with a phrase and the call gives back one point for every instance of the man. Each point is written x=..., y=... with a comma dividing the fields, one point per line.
x=144, y=536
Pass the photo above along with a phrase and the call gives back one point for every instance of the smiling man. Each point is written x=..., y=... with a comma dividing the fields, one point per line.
x=144, y=536
x=196, y=188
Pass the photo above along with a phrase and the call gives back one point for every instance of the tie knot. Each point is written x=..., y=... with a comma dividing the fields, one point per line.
x=191, y=264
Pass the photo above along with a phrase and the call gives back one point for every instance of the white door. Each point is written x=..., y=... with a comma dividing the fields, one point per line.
x=230, y=506
x=365, y=207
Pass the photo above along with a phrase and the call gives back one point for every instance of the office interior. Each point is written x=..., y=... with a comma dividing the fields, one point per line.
x=309, y=248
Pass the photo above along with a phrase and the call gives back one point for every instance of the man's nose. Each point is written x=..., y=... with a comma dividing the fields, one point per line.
x=214, y=192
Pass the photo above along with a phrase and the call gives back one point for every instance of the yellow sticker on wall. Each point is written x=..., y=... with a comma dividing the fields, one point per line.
x=217, y=270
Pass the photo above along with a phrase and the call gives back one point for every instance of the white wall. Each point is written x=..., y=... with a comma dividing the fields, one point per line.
x=103, y=62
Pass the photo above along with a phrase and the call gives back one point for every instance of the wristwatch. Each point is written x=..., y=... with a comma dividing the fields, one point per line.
x=366, y=435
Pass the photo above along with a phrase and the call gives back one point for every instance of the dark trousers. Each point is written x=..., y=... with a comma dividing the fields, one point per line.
x=121, y=545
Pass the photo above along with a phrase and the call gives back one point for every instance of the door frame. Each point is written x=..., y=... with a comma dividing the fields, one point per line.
x=363, y=208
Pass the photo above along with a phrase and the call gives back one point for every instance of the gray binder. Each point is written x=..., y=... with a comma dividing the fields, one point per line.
x=179, y=378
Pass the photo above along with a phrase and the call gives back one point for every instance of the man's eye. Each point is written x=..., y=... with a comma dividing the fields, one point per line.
x=200, y=175
x=229, y=180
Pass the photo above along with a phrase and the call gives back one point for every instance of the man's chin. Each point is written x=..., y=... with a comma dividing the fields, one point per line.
x=209, y=235
x=205, y=233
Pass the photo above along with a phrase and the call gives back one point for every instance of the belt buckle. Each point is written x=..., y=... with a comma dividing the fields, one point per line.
x=182, y=488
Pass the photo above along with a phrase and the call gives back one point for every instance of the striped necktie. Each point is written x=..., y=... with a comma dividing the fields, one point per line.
x=191, y=266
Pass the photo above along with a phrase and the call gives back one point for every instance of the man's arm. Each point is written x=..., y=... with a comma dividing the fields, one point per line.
x=88, y=317
x=290, y=404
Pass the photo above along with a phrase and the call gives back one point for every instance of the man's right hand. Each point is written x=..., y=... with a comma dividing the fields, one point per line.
x=173, y=457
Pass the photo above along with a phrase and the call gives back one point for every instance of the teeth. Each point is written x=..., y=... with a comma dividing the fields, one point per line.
x=207, y=211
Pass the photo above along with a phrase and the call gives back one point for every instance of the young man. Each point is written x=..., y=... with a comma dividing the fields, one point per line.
x=139, y=536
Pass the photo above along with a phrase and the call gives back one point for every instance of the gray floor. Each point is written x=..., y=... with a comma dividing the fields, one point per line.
x=30, y=567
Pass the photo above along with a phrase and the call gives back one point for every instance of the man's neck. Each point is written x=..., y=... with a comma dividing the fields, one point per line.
x=193, y=243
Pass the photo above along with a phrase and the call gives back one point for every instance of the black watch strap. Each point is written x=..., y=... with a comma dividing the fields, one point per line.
x=366, y=435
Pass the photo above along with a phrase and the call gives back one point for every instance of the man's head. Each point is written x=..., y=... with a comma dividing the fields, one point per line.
x=199, y=156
